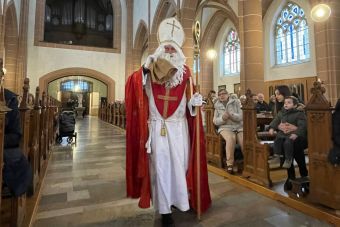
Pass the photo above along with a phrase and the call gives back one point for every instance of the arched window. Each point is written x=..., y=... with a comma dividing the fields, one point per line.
x=75, y=86
x=231, y=51
x=291, y=35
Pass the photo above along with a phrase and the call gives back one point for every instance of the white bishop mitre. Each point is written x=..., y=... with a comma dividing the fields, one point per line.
x=171, y=31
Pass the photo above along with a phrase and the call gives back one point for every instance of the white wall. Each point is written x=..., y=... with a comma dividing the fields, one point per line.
x=43, y=60
x=272, y=71
x=140, y=12
x=219, y=78
x=17, y=4
x=234, y=5
x=206, y=16
x=2, y=6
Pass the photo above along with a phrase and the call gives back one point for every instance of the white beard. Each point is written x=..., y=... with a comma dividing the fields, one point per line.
x=177, y=60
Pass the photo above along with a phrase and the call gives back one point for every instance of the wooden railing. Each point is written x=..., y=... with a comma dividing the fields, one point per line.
x=113, y=113
x=38, y=135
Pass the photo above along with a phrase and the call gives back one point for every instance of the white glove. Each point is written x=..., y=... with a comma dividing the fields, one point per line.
x=196, y=99
x=151, y=58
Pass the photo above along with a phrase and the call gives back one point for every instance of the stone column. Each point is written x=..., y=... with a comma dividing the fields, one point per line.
x=327, y=49
x=129, y=40
x=251, y=39
x=21, y=68
x=187, y=20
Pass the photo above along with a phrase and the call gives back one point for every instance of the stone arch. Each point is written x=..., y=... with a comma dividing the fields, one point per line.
x=208, y=40
x=117, y=29
x=11, y=47
x=162, y=11
x=49, y=77
x=190, y=4
x=222, y=6
x=140, y=43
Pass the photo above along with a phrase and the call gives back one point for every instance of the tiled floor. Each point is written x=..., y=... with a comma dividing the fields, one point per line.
x=85, y=186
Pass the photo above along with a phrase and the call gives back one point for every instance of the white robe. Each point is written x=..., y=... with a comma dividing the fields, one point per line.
x=169, y=156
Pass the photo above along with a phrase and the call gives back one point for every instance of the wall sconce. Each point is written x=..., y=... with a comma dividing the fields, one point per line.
x=211, y=54
x=320, y=12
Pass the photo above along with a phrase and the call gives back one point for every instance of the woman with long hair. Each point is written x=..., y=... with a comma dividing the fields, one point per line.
x=300, y=143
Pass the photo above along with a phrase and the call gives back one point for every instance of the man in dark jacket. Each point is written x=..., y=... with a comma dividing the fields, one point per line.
x=17, y=173
x=284, y=142
x=261, y=105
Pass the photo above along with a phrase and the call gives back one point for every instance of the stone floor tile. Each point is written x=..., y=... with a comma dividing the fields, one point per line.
x=85, y=186
x=78, y=195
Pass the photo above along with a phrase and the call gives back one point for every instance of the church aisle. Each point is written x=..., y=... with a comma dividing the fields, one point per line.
x=85, y=186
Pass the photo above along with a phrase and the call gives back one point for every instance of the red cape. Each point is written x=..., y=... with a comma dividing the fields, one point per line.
x=137, y=162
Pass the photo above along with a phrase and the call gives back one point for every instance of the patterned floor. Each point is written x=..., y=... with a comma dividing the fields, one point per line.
x=85, y=186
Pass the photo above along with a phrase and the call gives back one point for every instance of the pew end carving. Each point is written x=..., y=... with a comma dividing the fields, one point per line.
x=213, y=140
x=324, y=186
x=255, y=154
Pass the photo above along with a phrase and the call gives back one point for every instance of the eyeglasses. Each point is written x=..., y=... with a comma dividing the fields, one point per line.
x=223, y=93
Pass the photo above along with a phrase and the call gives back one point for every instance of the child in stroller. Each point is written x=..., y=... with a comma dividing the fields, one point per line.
x=67, y=123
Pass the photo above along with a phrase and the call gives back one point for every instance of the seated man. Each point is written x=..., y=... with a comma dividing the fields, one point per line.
x=228, y=117
x=261, y=105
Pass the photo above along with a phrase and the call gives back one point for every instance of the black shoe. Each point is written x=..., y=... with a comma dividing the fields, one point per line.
x=167, y=220
x=288, y=185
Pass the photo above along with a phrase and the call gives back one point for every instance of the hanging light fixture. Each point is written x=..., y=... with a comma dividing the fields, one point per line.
x=320, y=12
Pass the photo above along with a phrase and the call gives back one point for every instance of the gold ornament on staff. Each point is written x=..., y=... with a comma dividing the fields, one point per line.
x=196, y=30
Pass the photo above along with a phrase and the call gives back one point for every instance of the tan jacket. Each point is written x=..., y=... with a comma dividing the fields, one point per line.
x=234, y=122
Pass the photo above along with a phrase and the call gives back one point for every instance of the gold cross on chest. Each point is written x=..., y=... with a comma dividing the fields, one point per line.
x=166, y=99
x=173, y=27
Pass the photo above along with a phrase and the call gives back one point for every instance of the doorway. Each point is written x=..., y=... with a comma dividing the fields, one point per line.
x=79, y=93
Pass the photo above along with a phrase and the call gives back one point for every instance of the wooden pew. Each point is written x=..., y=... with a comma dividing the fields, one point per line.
x=112, y=113
x=33, y=154
x=109, y=113
x=3, y=110
x=105, y=111
x=117, y=115
x=301, y=86
x=48, y=124
x=17, y=211
x=34, y=144
x=213, y=140
x=255, y=154
x=42, y=135
x=122, y=115
x=18, y=204
x=324, y=177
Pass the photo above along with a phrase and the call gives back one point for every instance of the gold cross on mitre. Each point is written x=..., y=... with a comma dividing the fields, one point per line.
x=171, y=31
x=173, y=27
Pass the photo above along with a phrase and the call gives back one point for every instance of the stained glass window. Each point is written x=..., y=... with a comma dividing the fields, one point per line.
x=231, y=52
x=77, y=86
x=291, y=35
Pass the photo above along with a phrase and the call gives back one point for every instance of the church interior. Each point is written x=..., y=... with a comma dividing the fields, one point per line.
x=73, y=58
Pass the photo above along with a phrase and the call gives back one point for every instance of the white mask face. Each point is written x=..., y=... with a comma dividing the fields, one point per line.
x=177, y=59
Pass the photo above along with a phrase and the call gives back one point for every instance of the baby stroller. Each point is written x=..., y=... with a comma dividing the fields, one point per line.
x=67, y=121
